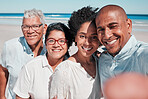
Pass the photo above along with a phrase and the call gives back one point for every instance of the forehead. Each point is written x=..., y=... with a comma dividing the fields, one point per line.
x=87, y=28
x=56, y=34
x=31, y=20
x=104, y=18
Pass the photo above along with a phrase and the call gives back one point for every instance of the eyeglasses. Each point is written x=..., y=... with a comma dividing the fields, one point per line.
x=52, y=41
x=34, y=27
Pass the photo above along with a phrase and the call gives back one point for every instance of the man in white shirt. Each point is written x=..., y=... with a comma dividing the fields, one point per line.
x=18, y=51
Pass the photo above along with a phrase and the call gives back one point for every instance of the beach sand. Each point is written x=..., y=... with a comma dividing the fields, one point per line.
x=11, y=31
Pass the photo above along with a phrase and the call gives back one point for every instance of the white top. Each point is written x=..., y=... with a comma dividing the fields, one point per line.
x=71, y=81
x=34, y=79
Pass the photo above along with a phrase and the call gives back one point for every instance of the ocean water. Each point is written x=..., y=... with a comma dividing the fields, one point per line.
x=16, y=18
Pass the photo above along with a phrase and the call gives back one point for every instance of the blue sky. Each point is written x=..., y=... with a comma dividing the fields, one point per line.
x=68, y=6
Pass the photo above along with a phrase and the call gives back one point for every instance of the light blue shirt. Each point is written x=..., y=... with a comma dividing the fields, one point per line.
x=132, y=58
x=15, y=54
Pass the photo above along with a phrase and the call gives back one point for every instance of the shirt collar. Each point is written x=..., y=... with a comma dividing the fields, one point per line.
x=45, y=61
x=26, y=47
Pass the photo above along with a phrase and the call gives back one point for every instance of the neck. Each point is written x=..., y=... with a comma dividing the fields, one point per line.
x=36, y=49
x=88, y=63
x=82, y=59
x=54, y=62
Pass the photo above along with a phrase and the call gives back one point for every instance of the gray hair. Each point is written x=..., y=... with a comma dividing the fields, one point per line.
x=33, y=13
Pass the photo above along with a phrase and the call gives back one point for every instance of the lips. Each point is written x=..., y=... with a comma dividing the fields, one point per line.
x=31, y=37
x=87, y=49
x=110, y=42
x=56, y=50
x=113, y=41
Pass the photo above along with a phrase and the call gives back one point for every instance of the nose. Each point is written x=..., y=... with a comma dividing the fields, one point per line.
x=30, y=30
x=87, y=40
x=107, y=33
x=56, y=43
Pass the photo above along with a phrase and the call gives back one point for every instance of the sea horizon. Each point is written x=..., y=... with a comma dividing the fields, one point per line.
x=16, y=19
x=65, y=15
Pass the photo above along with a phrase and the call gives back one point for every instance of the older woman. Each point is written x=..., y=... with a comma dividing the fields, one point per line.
x=75, y=77
x=34, y=78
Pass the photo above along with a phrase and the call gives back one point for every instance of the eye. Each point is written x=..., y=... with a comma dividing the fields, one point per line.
x=113, y=26
x=35, y=26
x=100, y=30
x=62, y=41
x=25, y=26
x=50, y=40
x=94, y=38
x=82, y=36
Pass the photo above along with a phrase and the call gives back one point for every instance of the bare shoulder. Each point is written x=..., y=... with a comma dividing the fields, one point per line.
x=72, y=58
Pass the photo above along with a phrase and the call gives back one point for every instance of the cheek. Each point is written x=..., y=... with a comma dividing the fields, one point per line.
x=65, y=48
x=24, y=33
x=48, y=47
x=100, y=37
x=96, y=45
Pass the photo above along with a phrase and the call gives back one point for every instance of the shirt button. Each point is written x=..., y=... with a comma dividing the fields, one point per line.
x=31, y=55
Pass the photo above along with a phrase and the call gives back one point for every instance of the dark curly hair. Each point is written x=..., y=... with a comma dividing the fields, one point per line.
x=79, y=17
x=61, y=27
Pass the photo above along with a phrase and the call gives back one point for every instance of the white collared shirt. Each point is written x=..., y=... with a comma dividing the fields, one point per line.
x=34, y=79
x=16, y=53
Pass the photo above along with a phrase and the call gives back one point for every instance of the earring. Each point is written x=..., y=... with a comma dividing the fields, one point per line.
x=75, y=43
x=69, y=50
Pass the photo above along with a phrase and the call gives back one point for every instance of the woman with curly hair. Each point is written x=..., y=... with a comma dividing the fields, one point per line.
x=75, y=78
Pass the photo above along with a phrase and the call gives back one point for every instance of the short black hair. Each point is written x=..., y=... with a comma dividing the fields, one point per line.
x=81, y=16
x=61, y=27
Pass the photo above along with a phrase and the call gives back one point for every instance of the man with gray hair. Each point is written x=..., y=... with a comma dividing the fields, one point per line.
x=18, y=51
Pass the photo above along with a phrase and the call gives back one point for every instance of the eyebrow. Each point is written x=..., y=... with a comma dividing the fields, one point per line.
x=86, y=33
x=94, y=34
x=113, y=23
x=82, y=33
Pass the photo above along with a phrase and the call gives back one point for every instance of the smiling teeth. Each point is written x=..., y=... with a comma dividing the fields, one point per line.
x=56, y=50
x=111, y=42
x=87, y=48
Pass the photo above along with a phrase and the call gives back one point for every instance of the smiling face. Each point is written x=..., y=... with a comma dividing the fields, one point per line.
x=33, y=37
x=56, y=51
x=113, y=30
x=86, y=38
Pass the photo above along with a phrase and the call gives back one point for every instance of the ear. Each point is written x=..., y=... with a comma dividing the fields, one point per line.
x=129, y=25
x=45, y=28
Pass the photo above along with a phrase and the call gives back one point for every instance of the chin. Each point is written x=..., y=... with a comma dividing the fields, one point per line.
x=57, y=57
x=31, y=43
x=87, y=54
